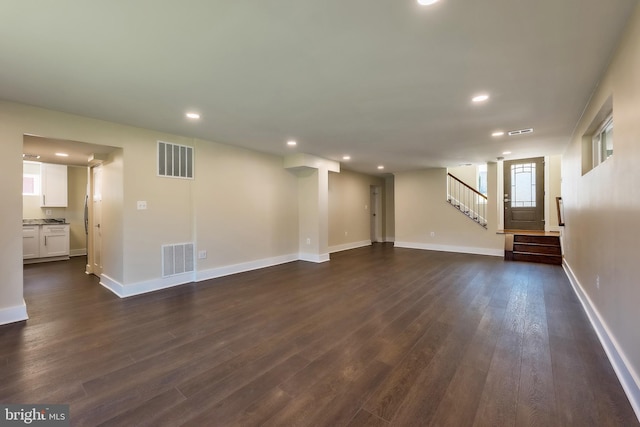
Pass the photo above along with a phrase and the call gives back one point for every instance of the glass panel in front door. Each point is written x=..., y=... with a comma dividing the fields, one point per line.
x=523, y=185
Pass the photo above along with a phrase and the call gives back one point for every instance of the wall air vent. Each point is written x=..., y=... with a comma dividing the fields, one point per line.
x=520, y=132
x=30, y=157
x=177, y=259
x=175, y=161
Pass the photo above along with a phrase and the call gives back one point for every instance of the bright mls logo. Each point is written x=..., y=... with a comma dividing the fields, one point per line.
x=34, y=415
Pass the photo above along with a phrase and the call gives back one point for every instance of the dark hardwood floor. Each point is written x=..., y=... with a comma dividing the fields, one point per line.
x=379, y=336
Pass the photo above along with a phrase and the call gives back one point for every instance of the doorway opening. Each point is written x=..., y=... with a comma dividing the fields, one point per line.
x=73, y=211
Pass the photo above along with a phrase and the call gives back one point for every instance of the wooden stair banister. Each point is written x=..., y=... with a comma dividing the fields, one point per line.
x=468, y=186
x=467, y=200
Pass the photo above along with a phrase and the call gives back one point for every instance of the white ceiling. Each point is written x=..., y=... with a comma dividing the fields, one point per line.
x=79, y=153
x=388, y=82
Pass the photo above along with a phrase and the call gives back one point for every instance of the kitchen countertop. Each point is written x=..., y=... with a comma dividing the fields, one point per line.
x=45, y=221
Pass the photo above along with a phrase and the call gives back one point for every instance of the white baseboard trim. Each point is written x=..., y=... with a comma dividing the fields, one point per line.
x=77, y=252
x=124, y=291
x=348, y=246
x=227, y=270
x=317, y=258
x=626, y=374
x=13, y=314
x=449, y=248
x=47, y=259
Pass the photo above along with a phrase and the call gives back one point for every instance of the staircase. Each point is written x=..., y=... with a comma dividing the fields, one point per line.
x=533, y=248
x=467, y=200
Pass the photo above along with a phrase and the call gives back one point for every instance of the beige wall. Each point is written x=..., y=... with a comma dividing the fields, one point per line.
x=553, y=168
x=10, y=210
x=168, y=218
x=466, y=174
x=349, y=210
x=389, y=209
x=245, y=205
x=602, y=208
x=115, y=255
x=421, y=209
x=308, y=214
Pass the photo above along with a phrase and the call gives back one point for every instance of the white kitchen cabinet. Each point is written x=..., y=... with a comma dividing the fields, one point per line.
x=31, y=242
x=54, y=240
x=54, y=185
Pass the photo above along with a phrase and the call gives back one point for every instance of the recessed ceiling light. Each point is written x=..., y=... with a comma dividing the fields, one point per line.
x=498, y=133
x=193, y=115
x=480, y=98
x=506, y=152
x=292, y=143
x=427, y=2
x=346, y=157
x=380, y=167
x=62, y=155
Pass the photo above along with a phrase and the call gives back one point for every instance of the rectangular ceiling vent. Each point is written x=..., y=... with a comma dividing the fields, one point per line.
x=520, y=132
x=177, y=259
x=175, y=161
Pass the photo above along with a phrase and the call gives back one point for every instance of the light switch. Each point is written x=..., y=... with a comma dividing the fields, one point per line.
x=142, y=204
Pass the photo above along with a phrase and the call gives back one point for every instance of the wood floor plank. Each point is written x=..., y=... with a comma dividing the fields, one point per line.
x=345, y=404
x=379, y=336
x=536, y=400
x=386, y=400
x=341, y=376
x=261, y=410
x=460, y=403
x=498, y=402
x=367, y=419
x=98, y=407
x=202, y=409
x=426, y=394
x=574, y=397
x=143, y=415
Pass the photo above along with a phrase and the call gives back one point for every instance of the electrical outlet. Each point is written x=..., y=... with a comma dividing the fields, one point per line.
x=142, y=205
x=202, y=254
x=598, y=282
x=433, y=234
x=308, y=241
x=346, y=233
x=47, y=212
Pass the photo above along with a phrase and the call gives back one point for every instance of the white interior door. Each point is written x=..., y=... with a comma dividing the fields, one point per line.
x=96, y=223
x=376, y=214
